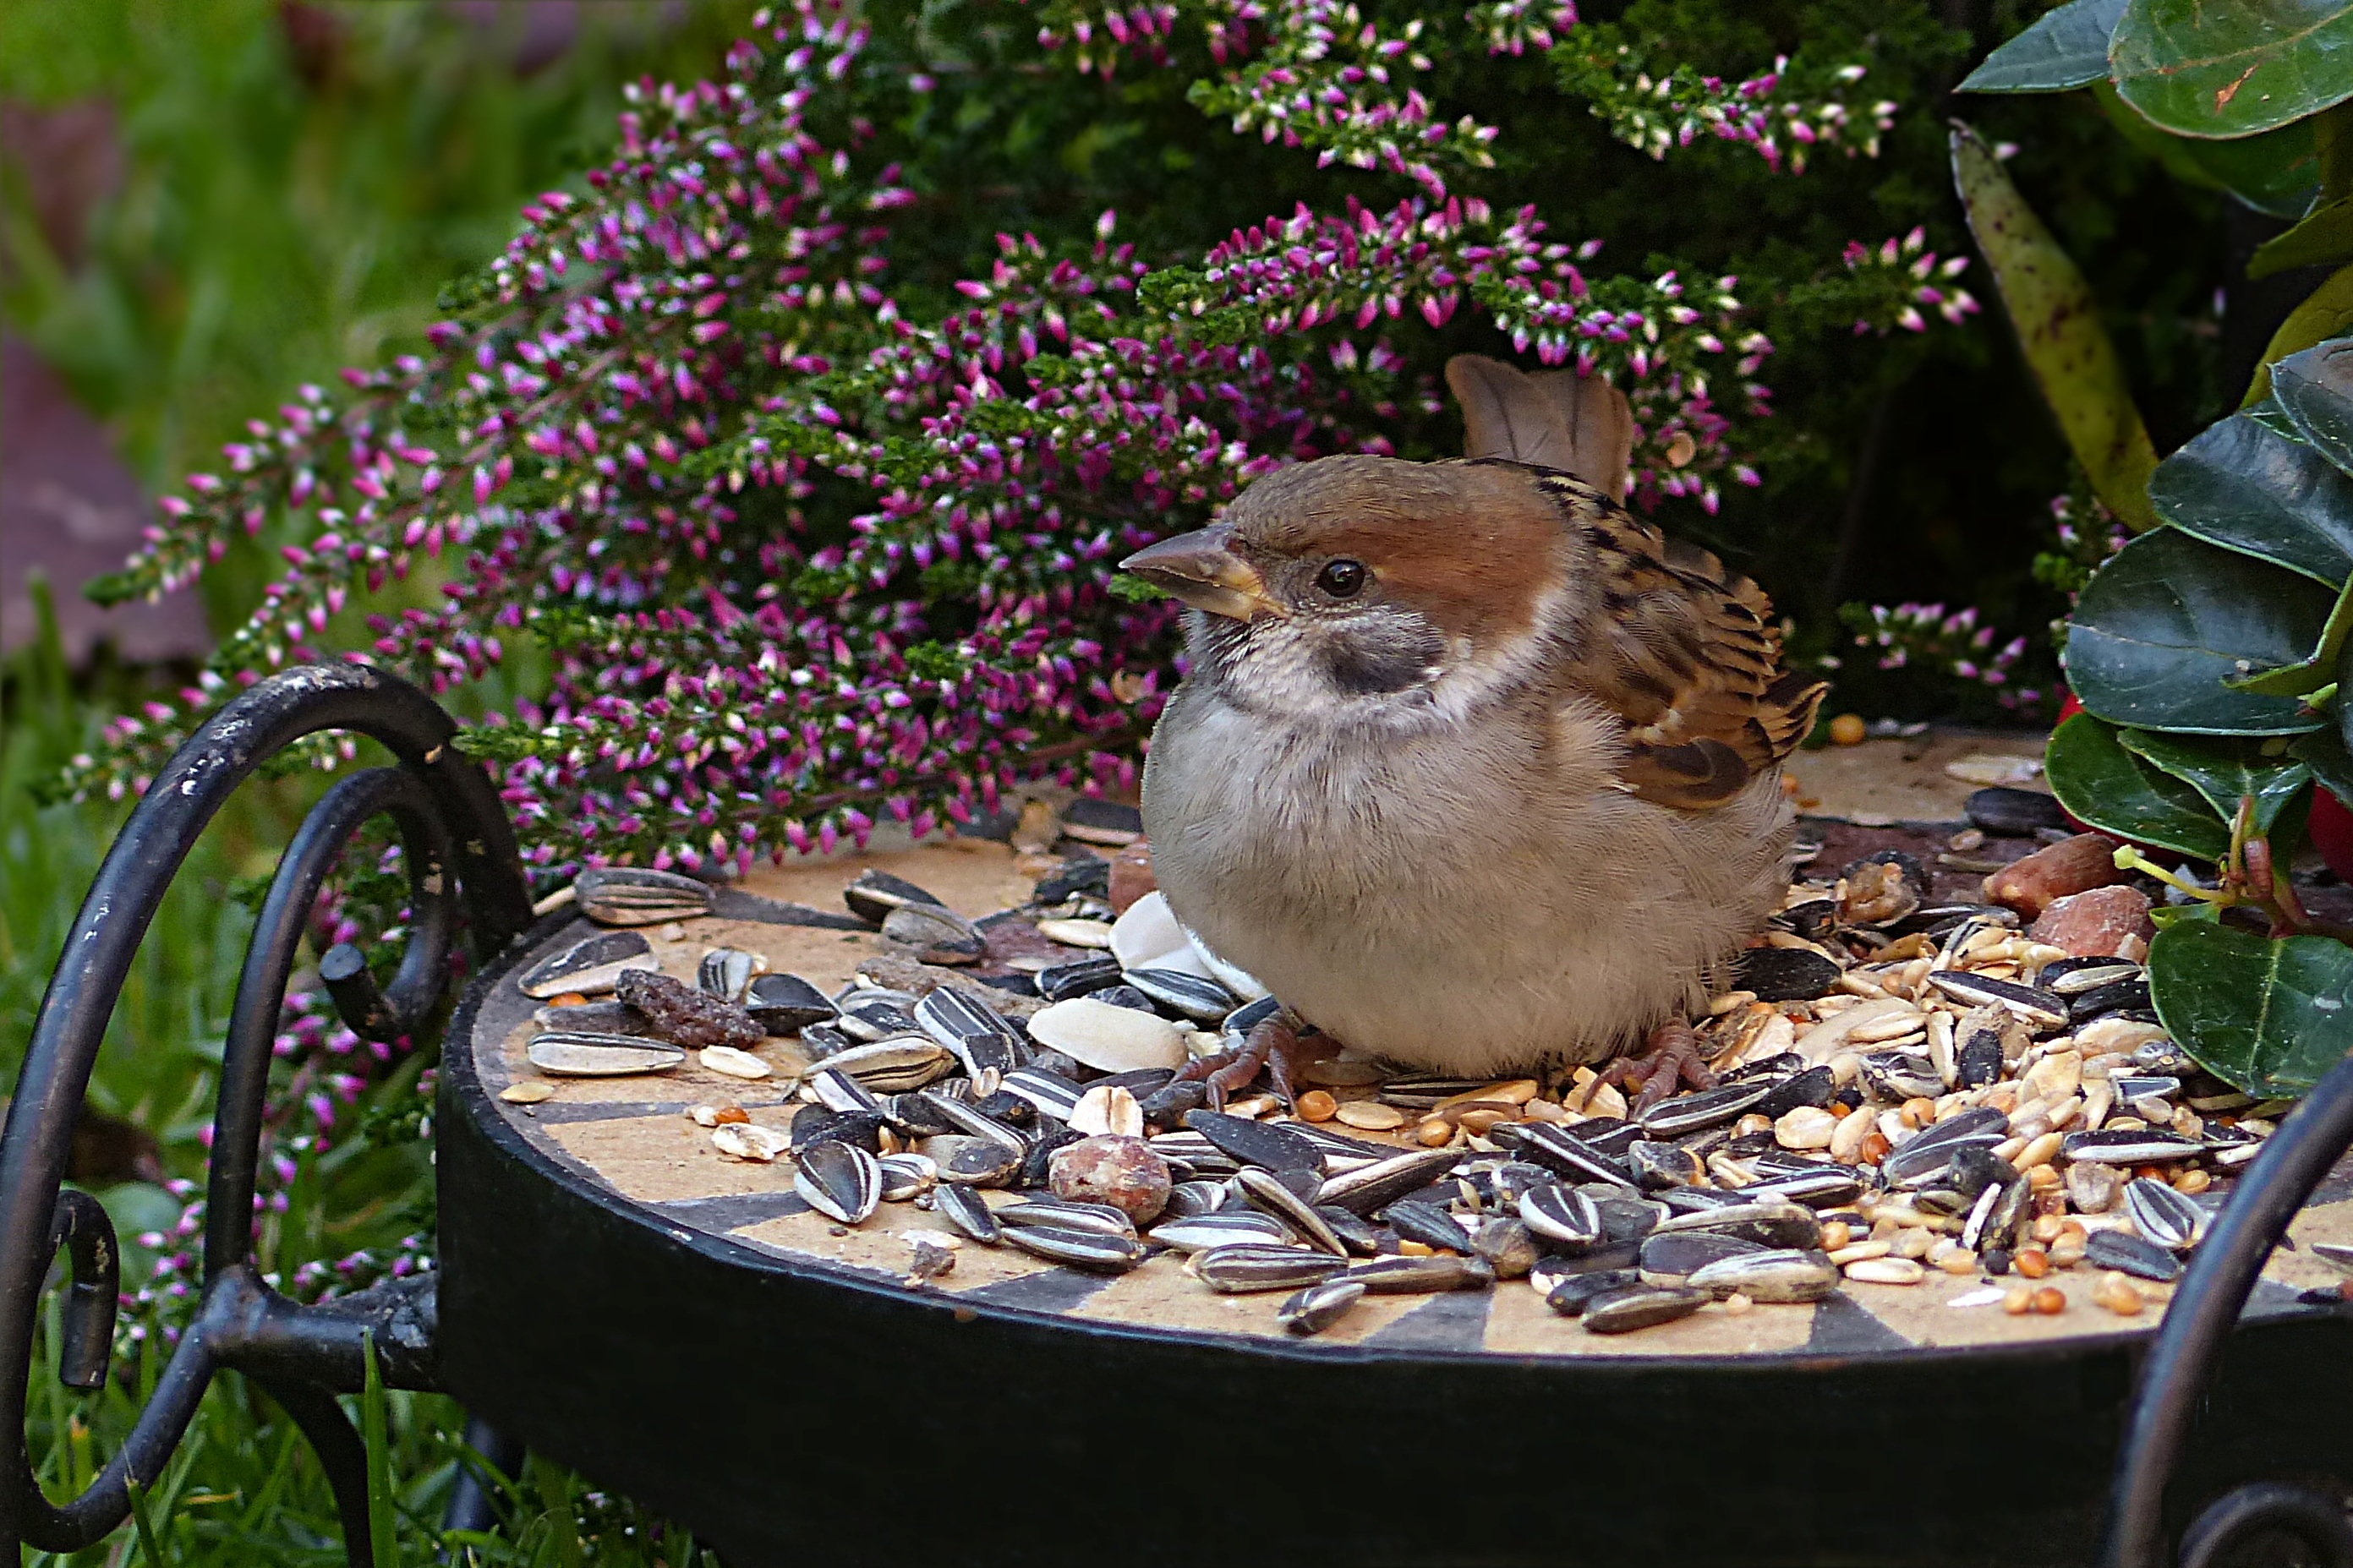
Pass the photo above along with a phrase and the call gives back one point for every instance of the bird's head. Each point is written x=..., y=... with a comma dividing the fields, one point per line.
x=1370, y=584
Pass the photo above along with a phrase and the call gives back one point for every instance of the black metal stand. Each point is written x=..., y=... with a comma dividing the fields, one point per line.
x=458, y=846
x=2293, y=1524
x=457, y=843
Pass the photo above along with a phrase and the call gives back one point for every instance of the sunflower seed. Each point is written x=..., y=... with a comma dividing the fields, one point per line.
x=1419, y=1091
x=2146, y=1147
x=980, y=1038
x=1426, y=1223
x=1775, y=1222
x=1570, y=1154
x=1994, y=1220
x=890, y=1067
x=637, y=896
x=969, y=1120
x=840, y=1180
x=1823, y=1186
x=1667, y=1259
x=874, y=894
x=933, y=935
x=2122, y=996
x=2035, y=1006
x=907, y=1177
x=1562, y=1214
x=562, y=1055
x=1507, y=1246
x=2335, y=1254
x=965, y=1209
x=784, y=1003
x=869, y=1019
x=1188, y=1200
x=724, y=972
x=1263, y=1192
x=1422, y=1276
x=1318, y=1307
x=1243, y=1267
x=1079, y=1248
x=1078, y=977
x=836, y=1090
x=1257, y=1143
x=1571, y=1295
x=1199, y=1233
x=1063, y=1215
x=588, y=967
x=814, y=1124
x=1663, y=1165
x=1051, y=1093
x=1641, y=1306
x=1979, y=1059
x=2134, y=1255
x=2166, y=1218
x=1708, y=1108
x=968, y=1161
x=2074, y=976
x=1368, y=1189
x=1203, y=1000
x=1786, y=1274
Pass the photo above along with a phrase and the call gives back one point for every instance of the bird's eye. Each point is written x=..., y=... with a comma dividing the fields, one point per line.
x=1341, y=579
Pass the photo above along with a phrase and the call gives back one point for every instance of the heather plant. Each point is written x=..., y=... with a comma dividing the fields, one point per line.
x=814, y=508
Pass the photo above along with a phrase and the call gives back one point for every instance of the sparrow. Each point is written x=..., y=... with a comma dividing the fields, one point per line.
x=1474, y=770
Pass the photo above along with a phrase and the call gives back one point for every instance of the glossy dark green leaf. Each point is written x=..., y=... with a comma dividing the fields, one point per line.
x=2222, y=768
x=2057, y=325
x=2266, y=1016
x=2324, y=752
x=2278, y=173
x=2275, y=419
x=2316, y=670
x=2066, y=48
x=2314, y=388
x=2245, y=487
x=2101, y=782
x=2202, y=69
x=2321, y=238
x=2159, y=628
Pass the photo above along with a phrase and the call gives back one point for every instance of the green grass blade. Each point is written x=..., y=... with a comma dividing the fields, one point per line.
x=381, y=1537
x=149, y=1552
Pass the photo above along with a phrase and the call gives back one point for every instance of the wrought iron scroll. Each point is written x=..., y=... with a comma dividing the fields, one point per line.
x=458, y=846
x=2188, y=1350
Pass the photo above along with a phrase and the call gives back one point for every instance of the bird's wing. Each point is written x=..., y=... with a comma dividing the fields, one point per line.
x=1577, y=424
x=1688, y=655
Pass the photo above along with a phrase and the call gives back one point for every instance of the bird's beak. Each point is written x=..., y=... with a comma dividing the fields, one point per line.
x=1202, y=569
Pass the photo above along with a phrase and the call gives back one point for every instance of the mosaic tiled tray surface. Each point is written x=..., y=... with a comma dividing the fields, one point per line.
x=632, y=1139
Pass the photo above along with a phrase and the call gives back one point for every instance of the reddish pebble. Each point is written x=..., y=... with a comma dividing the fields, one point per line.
x=1130, y=875
x=2106, y=922
x=2076, y=865
x=1122, y=1171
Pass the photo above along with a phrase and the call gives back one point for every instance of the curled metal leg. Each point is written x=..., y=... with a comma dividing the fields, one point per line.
x=2206, y=1306
x=457, y=844
x=342, y=1455
x=82, y=1227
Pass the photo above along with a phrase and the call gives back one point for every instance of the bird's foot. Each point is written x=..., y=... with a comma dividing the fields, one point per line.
x=1669, y=1060
x=1274, y=1045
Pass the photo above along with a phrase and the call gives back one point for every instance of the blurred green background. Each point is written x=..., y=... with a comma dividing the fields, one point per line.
x=204, y=203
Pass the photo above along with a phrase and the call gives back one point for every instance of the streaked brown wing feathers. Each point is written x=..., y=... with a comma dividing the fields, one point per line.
x=1689, y=655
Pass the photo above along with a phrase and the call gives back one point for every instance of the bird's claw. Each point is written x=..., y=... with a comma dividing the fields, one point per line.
x=1669, y=1060
x=1273, y=1046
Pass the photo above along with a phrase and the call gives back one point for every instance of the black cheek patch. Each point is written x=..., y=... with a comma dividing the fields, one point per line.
x=1378, y=657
